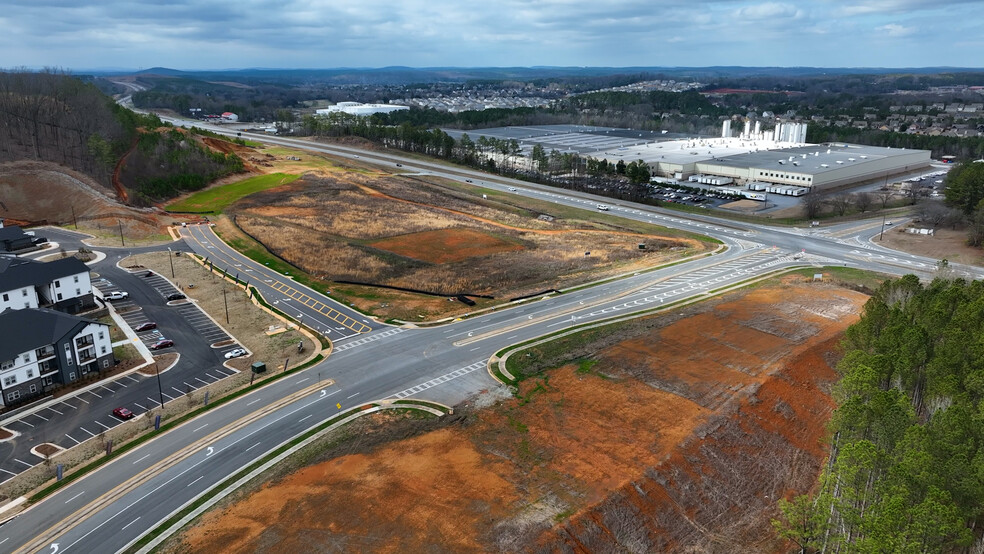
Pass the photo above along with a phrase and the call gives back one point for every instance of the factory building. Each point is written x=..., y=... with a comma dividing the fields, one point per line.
x=358, y=108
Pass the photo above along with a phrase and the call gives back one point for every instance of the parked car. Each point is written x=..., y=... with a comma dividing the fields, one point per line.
x=163, y=343
x=176, y=296
x=122, y=413
x=117, y=295
x=235, y=353
x=147, y=326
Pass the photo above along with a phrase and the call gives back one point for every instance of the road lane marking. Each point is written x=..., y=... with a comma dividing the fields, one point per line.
x=74, y=497
x=107, y=427
x=25, y=463
x=302, y=380
x=195, y=481
x=352, y=396
x=251, y=447
x=129, y=524
x=54, y=410
x=305, y=417
x=253, y=401
x=91, y=434
x=199, y=428
x=73, y=438
x=141, y=459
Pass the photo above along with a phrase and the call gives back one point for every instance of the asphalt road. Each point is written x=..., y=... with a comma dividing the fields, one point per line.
x=445, y=364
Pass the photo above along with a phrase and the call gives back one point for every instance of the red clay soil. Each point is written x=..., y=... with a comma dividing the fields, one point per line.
x=442, y=246
x=681, y=439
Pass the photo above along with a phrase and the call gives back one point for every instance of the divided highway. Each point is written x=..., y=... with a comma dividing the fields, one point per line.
x=110, y=508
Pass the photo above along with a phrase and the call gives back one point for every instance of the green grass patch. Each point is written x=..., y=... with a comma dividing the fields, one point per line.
x=216, y=199
x=126, y=352
x=850, y=277
x=585, y=367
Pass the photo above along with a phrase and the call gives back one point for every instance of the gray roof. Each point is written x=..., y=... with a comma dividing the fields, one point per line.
x=834, y=156
x=11, y=233
x=19, y=272
x=25, y=330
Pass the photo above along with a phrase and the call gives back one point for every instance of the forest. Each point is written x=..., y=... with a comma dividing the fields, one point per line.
x=52, y=117
x=906, y=465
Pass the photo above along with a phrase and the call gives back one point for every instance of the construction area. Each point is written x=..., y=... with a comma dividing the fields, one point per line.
x=679, y=434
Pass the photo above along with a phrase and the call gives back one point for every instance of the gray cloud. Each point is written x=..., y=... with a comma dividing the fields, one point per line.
x=329, y=33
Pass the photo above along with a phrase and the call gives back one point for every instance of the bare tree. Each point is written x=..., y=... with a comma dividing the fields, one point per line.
x=813, y=204
x=840, y=203
x=884, y=196
x=863, y=201
x=933, y=213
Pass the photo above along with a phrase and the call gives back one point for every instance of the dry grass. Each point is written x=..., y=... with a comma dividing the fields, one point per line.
x=335, y=228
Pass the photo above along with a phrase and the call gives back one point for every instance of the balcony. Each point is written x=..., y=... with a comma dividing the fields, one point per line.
x=44, y=352
x=84, y=341
x=87, y=355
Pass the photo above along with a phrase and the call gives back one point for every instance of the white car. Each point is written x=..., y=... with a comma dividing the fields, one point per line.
x=512, y=189
x=603, y=207
x=235, y=353
x=117, y=295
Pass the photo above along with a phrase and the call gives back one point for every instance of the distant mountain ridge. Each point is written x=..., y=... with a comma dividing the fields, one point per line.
x=402, y=74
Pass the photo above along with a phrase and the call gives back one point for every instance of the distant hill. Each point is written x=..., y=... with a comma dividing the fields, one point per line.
x=406, y=75
x=49, y=117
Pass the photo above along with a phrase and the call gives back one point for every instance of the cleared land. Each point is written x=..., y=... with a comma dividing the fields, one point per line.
x=680, y=435
x=448, y=240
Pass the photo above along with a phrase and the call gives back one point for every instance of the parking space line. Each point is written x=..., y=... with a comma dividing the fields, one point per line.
x=193, y=387
x=107, y=388
x=139, y=406
x=73, y=439
x=79, y=398
x=69, y=405
x=93, y=394
x=177, y=389
x=117, y=382
x=168, y=396
x=40, y=416
x=134, y=379
x=21, y=421
x=14, y=474
x=25, y=463
x=200, y=381
x=91, y=434
x=104, y=426
x=152, y=401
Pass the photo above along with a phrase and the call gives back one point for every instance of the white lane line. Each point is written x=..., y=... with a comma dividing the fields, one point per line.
x=93, y=394
x=195, y=481
x=107, y=388
x=141, y=459
x=42, y=417
x=251, y=447
x=353, y=396
x=25, y=463
x=74, y=497
x=253, y=401
x=302, y=380
x=139, y=406
x=54, y=410
x=91, y=434
x=69, y=405
x=106, y=427
x=199, y=428
x=5, y=471
x=73, y=438
x=22, y=421
x=305, y=417
x=129, y=524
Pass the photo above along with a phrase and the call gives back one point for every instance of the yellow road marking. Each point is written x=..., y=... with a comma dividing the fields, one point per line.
x=321, y=308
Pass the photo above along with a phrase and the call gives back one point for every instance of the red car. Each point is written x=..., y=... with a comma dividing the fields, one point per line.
x=146, y=326
x=163, y=343
x=122, y=413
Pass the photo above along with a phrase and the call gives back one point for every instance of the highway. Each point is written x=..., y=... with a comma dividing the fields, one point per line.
x=112, y=507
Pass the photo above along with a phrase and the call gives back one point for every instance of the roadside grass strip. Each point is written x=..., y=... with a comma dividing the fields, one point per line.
x=177, y=520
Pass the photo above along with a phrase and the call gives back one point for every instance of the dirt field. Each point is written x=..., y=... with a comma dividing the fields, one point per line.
x=945, y=243
x=681, y=439
x=403, y=232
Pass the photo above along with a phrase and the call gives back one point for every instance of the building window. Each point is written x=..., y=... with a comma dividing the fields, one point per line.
x=47, y=381
x=34, y=389
x=9, y=381
x=101, y=335
x=103, y=349
x=68, y=354
x=7, y=365
x=13, y=395
x=78, y=292
x=27, y=357
x=105, y=364
x=6, y=297
x=71, y=376
x=57, y=284
x=59, y=296
x=23, y=292
x=76, y=278
x=30, y=374
x=27, y=305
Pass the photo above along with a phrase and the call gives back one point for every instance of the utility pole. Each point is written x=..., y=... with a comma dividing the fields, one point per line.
x=170, y=258
x=882, y=234
x=120, y=223
x=74, y=221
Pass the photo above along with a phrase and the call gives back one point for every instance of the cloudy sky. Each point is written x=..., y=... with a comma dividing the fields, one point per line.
x=218, y=34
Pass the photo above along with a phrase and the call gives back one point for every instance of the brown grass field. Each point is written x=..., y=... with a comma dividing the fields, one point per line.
x=420, y=234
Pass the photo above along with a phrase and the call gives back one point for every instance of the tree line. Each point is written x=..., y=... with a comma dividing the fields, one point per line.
x=906, y=466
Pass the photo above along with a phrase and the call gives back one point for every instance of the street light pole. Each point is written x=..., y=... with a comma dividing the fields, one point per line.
x=882, y=234
x=170, y=258
x=120, y=223
x=224, y=301
x=160, y=391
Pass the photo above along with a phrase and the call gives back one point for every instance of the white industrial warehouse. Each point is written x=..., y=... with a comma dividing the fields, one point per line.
x=358, y=108
x=763, y=160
